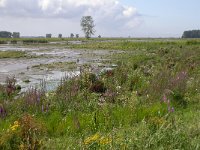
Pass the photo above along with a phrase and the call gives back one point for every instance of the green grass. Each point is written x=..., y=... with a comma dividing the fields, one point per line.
x=12, y=54
x=119, y=109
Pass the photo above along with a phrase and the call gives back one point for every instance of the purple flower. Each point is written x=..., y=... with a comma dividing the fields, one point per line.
x=1, y=110
x=4, y=114
x=164, y=98
x=172, y=109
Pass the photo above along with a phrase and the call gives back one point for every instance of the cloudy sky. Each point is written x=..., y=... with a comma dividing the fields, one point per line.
x=135, y=18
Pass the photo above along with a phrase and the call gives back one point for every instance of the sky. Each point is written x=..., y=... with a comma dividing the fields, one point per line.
x=113, y=18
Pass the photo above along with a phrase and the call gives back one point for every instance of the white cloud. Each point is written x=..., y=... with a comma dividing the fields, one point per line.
x=44, y=4
x=108, y=14
x=129, y=11
x=2, y=3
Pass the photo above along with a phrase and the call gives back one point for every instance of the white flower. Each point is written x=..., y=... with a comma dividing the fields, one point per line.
x=47, y=94
x=118, y=87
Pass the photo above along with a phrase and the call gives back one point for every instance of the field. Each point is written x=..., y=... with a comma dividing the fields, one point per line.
x=127, y=94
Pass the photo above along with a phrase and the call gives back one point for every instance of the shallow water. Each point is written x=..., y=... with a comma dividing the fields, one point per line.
x=22, y=68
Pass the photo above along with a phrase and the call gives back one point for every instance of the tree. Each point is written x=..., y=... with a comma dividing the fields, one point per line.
x=5, y=34
x=71, y=35
x=77, y=35
x=191, y=34
x=16, y=35
x=87, y=25
x=48, y=35
x=59, y=35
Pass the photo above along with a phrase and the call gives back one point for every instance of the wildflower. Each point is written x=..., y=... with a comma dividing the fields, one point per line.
x=15, y=126
x=118, y=87
x=91, y=139
x=167, y=101
x=16, y=123
x=47, y=94
x=164, y=98
x=172, y=109
x=105, y=140
x=2, y=111
x=21, y=146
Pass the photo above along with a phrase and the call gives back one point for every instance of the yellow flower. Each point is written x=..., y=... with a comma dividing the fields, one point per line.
x=21, y=146
x=15, y=126
x=92, y=139
x=16, y=123
x=105, y=140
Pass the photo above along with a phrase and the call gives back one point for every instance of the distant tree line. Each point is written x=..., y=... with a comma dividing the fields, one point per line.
x=87, y=24
x=6, y=34
x=191, y=34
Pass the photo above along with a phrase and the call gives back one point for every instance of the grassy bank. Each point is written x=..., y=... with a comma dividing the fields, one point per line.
x=151, y=100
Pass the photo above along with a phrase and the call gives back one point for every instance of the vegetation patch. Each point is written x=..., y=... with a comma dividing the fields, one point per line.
x=32, y=41
x=149, y=101
x=12, y=54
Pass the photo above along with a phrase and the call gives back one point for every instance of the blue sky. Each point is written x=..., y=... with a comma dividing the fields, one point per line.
x=135, y=18
x=167, y=18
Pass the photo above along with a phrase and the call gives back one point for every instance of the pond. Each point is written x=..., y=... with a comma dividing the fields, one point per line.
x=49, y=63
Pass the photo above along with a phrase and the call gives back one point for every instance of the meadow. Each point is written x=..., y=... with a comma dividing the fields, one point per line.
x=150, y=100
